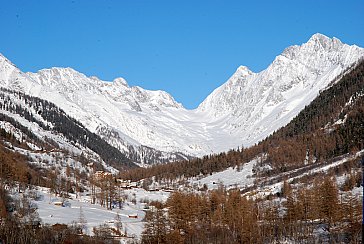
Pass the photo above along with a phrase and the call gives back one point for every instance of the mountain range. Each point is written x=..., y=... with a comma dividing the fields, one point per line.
x=151, y=127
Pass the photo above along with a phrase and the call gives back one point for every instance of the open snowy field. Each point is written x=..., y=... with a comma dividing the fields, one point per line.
x=94, y=215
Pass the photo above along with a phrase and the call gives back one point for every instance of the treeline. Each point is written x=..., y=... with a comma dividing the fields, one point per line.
x=330, y=105
x=30, y=135
x=332, y=125
x=189, y=168
x=305, y=215
x=57, y=120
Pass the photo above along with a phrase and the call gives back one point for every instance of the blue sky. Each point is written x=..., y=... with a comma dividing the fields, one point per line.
x=187, y=48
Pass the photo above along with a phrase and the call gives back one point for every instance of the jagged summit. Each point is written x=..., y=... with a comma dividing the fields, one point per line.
x=324, y=41
x=318, y=37
x=318, y=47
x=69, y=82
x=306, y=64
x=120, y=81
x=243, y=70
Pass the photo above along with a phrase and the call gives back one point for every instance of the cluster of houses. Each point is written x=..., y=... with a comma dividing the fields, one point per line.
x=128, y=184
x=100, y=175
x=125, y=184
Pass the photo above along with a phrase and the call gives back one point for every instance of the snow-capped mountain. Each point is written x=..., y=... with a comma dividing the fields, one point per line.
x=253, y=105
x=244, y=110
x=97, y=104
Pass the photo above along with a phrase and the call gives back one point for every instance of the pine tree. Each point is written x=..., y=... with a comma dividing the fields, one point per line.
x=82, y=222
x=352, y=214
x=118, y=224
x=329, y=202
x=155, y=230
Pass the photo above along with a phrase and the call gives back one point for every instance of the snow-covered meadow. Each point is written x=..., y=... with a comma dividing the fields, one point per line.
x=53, y=210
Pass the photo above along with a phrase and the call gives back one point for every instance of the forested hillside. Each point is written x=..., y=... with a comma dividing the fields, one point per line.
x=332, y=125
x=315, y=215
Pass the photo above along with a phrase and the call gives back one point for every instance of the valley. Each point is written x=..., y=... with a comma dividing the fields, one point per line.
x=268, y=157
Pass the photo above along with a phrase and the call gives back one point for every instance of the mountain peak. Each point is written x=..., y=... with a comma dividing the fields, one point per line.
x=243, y=70
x=59, y=69
x=317, y=47
x=60, y=72
x=320, y=41
x=6, y=60
x=319, y=37
x=120, y=81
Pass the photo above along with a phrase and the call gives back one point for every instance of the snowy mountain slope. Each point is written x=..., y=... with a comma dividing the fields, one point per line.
x=151, y=127
x=118, y=113
x=46, y=133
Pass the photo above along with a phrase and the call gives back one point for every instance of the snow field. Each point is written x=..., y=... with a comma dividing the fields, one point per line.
x=94, y=214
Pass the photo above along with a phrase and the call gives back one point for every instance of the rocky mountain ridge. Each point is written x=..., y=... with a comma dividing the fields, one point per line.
x=243, y=111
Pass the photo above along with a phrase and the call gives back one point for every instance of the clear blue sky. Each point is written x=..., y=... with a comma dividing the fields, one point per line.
x=187, y=48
